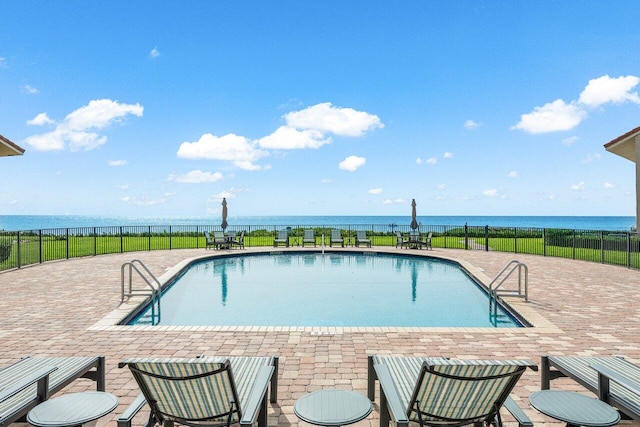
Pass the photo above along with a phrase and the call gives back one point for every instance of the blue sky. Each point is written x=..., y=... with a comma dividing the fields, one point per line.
x=318, y=108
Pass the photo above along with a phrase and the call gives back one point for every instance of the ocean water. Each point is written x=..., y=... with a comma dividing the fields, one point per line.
x=37, y=222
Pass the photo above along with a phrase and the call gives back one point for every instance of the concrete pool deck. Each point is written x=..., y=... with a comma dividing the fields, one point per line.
x=59, y=309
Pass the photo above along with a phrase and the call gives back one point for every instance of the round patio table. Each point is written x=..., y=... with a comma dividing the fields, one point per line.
x=72, y=409
x=573, y=408
x=332, y=407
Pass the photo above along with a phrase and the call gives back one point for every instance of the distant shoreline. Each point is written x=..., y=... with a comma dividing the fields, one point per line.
x=37, y=222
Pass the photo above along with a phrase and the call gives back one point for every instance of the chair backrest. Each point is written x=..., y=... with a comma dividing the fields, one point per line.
x=283, y=235
x=218, y=235
x=188, y=391
x=207, y=236
x=241, y=238
x=398, y=237
x=335, y=234
x=361, y=235
x=459, y=392
x=309, y=235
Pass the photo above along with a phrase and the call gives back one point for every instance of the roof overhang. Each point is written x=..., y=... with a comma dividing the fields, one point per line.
x=8, y=148
x=624, y=145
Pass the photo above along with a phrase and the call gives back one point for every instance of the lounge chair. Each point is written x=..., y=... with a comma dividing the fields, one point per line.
x=238, y=240
x=614, y=380
x=30, y=381
x=401, y=241
x=203, y=391
x=336, y=237
x=442, y=392
x=309, y=237
x=361, y=238
x=427, y=241
x=282, y=238
x=209, y=240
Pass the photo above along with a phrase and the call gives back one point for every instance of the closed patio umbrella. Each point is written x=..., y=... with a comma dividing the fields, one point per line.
x=224, y=214
x=414, y=221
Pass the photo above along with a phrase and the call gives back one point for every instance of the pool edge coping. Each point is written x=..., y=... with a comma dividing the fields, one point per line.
x=525, y=310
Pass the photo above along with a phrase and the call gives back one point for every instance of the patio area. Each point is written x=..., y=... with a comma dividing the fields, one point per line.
x=58, y=309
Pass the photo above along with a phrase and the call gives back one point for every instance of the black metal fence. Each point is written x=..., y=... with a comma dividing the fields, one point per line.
x=26, y=247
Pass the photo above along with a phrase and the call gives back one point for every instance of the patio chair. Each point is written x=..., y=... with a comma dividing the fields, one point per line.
x=336, y=237
x=309, y=237
x=282, y=238
x=442, y=392
x=614, y=380
x=32, y=380
x=209, y=240
x=361, y=238
x=238, y=241
x=427, y=241
x=204, y=391
x=401, y=241
x=219, y=240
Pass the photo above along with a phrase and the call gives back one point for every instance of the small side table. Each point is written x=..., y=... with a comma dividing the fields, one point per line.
x=332, y=407
x=575, y=409
x=72, y=409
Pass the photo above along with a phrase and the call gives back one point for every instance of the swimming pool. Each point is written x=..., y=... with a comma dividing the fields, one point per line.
x=326, y=289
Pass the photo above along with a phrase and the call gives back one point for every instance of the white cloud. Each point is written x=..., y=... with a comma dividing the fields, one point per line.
x=143, y=200
x=570, y=141
x=561, y=116
x=605, y=90
x=441, y=187
x=30, y=90
x=326, y=181
x=551, y=117
x=196, y=177
x=375, y=190
x=73, y=131
x=340, y=121
x=227, y=194
x=471, y=124
x=352, y=163
x=154, y=53
x=432, y=161
x=123, y=187
x=3, y=62
x=117, y=162
x=608, y=185
x=398, y=201
x=237, y=149
x=40, y=119
x=591, y=157
x=490, y=193
x=512, y=174
x=288, y=138
x=578, y=187
x=419, y=161
x=448, y=155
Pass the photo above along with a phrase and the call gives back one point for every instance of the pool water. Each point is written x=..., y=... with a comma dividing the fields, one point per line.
x=331, y=289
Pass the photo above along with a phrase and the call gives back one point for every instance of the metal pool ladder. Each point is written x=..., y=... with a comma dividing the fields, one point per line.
x=152, y=288
x=523, y=282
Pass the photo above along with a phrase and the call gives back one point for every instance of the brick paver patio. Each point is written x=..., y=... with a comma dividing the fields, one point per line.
x=55, y=309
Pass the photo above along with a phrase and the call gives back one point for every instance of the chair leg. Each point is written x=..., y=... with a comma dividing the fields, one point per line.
x=262, y=415
x=384, y=410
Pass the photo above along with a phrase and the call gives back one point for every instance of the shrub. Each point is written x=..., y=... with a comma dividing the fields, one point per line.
x=5, y=251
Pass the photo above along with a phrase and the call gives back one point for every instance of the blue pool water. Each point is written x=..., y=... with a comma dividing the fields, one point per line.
x=331, y=289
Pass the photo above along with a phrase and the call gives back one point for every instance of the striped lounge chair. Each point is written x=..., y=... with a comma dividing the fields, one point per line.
x=442, y=392
x=32, y=380
x=614, y=379
x=205, y=391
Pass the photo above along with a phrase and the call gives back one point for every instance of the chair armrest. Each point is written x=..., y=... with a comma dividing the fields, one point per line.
x=612, y=375
x=127, y=416
x=38, y=376
x=257, y=395
x=517, y=412
x=397, y=411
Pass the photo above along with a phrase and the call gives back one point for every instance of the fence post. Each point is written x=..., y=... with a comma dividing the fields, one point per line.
x=170, y=235
x=95, y=242
x=121, y=242
x=67, y=239
x=40, y=246
x=149, y=238
x=574, y=243
x=544, y=242
x=18, y=248
x=628, y=249
x=486, y=238
x=466, y=237
x=602, y=246
x=515, y=240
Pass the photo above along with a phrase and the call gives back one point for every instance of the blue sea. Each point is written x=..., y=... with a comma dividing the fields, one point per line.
x=37, y=222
